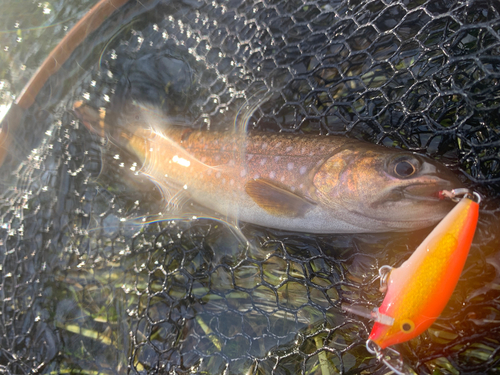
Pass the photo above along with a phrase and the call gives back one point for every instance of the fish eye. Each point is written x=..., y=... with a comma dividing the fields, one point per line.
x=404, y=169
x=407, y=326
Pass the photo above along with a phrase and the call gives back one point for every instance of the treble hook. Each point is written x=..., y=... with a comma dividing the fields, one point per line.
x=386, y=356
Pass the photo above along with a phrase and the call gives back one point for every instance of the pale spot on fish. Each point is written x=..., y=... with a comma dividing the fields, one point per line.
x=243, y=173
x=301, y=186
x=231, y=182
x=272, y=175
x=256, y=176
x=203, y=159
x=249, y=156
x=223, y=180
x=289, y=148
x=290, y=166
x=217, y=157
x=181, y=161
x=209, y=172
x=303, y=170
x=282, y=178
x=263, y=161
x=232, y=163
x=292, y=188
x=217, y=175
x=277, y=144
x=277, y=159
x=303, y=150
x=264, y=145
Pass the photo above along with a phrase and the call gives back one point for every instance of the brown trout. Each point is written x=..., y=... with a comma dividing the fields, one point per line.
x=316, y=184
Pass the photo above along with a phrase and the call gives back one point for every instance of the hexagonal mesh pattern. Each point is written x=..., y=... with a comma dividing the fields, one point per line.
x=86, y=288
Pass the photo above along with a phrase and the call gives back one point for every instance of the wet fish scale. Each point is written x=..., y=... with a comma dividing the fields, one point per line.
x=295, y=182
x=284, y=159
x=313, y=184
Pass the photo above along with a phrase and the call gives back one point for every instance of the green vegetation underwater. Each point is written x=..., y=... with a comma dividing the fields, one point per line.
x=88, y=287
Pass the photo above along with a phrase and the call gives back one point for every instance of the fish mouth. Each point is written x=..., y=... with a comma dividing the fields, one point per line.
x=424, y=192
x=421, y=192
x=421, y=199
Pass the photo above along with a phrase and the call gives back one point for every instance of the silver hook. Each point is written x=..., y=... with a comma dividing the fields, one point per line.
x=478, y=197
x=384, y=272
x=386, y=356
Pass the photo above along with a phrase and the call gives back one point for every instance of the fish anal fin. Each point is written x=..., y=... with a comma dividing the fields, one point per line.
x=276, y=200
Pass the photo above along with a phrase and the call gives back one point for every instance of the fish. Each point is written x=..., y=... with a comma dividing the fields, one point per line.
x=418, y=291
x=294, y=182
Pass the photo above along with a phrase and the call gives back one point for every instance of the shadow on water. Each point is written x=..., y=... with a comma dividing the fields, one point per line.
x=85, y=288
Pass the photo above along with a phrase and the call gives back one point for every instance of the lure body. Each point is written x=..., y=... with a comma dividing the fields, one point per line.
x=418, y=291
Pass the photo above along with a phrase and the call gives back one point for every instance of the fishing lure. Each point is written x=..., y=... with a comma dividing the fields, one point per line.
x=418, y=290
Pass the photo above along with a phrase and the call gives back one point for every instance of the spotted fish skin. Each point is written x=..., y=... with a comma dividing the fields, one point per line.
x=313, y=184
x=305, y=183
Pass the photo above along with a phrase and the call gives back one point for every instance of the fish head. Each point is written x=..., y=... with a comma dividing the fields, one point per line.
x=379, y=188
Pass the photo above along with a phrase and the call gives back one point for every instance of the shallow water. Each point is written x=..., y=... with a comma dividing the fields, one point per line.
x=85, y=287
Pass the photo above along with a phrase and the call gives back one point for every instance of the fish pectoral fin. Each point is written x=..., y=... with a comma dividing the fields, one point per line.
x=276, y=200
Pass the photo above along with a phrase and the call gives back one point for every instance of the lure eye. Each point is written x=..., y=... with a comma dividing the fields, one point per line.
x=407, y=326
x=404, y=169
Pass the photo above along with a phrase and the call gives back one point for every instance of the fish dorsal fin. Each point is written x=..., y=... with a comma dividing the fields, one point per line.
x=276, y=200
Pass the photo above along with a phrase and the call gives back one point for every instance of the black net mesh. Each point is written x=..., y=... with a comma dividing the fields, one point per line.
x=86, y=289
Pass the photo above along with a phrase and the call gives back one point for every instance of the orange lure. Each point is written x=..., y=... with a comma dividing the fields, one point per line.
x=418, y=291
